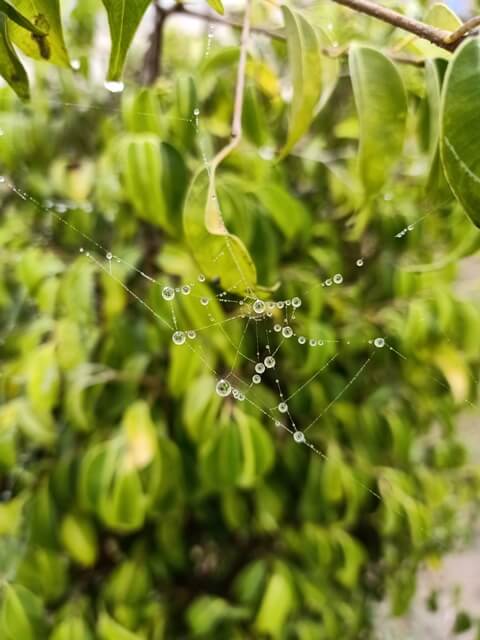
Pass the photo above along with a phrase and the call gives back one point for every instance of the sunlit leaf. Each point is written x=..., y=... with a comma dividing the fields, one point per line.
x=313, y=74
x=123, y=18
x=460, y=115
x=12, y=13
x=44, y=14
x=382, y=110
x=217, y=5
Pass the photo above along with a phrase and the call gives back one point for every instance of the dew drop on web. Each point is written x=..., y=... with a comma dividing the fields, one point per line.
x=114, y=86
x=223, y=388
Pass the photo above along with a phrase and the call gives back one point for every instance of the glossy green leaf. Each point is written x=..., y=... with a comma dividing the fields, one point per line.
x=43, y=379
x=123, y=18
x=12, y=13
x=79, y=538
x=11, y=69
x=441, y=16
x=44, y=14
x=382, y=111
x=219, y=254
x=109, y=629
x=20, y=613
x=460, y=115
x=276, y=605
x=310, y=88
x=155, y=179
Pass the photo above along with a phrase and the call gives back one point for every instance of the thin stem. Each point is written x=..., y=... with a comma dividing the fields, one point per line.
x=236, y=134
x=465, y=29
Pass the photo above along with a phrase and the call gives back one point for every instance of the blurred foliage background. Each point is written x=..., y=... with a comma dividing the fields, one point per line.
x=136, y=504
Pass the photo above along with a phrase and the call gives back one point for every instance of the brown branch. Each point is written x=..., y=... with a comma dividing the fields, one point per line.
x=440, y=37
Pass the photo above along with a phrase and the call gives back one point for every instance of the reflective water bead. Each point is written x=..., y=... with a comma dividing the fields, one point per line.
x=256, y=379
x=109, y=256
x=287, y=332
x=338, y=278
x=201, y=278
x=280, y=304
x=114, y=87
x=186, y=289
x=410, y=227
x=328, y=282
x=271, y=305
x=259, y=367
x=168, y=293
x=191, y=334
x=223, y=388
x=359, y=262
x=312, y=342
x=302, y=340
x=379, y=342
x=196, y=112
x=259, y=306
x=178, y=337
x=299, y=437
x=269, y=362
x=283, y=407
x=296, y=302
x=288, y=302
x=204, y=301
x=277, y=327
x=235, y=394
x=240, y=396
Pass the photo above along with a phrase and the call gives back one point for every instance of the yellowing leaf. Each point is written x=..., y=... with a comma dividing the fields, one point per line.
x=217, y=6
x=453, y=366
x=123, y=18
x=44, y=14
x=219, y=254
x=140, y=435
x=313, y=75
x=381, y=104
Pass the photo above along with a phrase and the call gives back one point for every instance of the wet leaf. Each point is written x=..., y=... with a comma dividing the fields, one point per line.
x=11, y=69
x=123, y=18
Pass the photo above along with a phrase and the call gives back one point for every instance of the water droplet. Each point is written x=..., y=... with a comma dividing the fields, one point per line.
x=271, y=305
x=379, y=342
x=82, y=249
x=359, y=262
x=191, y=334
x=223, y=388
x=241, y=396
x=280, y=304
x=410, y=227
x=299, y=437
x=178, y=337
x=256, y=378
x=287, y=332
x=277, y=328
x=259, y=306
x=235, y=393
x=312, y=342
x=259, y=367
x=186, y=289
x=2, y=179
x=269, y=362
x=283, y=407
x=328, y=282
x=168, y=293
x=114, y=86
x=296, y=302
x=302, y=340
x=75, y=64
x=338, y=278
x=196, y=112
x=109, y=256
x=201, y=278
x=277, y=423
x=204, y=301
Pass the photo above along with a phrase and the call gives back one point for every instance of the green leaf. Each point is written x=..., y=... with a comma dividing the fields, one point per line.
x=20, y=614
x=123, y=18
x=277, y=603
x=109, y=629
x=460, y=113
x=79, y=538
x=16, y=16
x=44, y=14
x=217, y=5
x=313, y=75
x=72, y=629
x=218, y=253
x=439, y=15
x=381, y=104
x=11, y=69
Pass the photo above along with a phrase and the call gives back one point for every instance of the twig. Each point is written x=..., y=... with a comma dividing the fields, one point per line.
x=236, y=134
x=444, y=39
x=152, y=65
